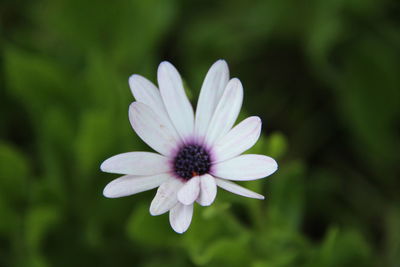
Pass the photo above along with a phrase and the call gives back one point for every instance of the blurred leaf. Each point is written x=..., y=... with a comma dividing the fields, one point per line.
x=276, y=146
x=239, y=254
x=93, y=140
x=392, y=237
x=123, y=31
x=343, y=248
x=151, y=231
x=370, y=101
x=14, y=171
x=275, y=246
x=286, y=204
x=37, y=81
x=39, y=222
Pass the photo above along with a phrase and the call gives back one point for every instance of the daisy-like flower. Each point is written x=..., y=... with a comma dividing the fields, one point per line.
x=196, y=152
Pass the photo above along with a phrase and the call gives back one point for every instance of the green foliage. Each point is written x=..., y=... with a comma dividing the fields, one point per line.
x=323, y=76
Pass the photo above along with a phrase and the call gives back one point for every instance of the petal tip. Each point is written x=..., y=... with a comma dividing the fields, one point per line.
x=179, y=231
x=103, y=166
x=236, y=81
x=155, y=208
x=165, y=65
x=134, y=82
x=235, y=85
x=133, y=77
x=257, y=119
x=133, y=105
x=107, y=192
x=153, y=211
x=222, y=63
x=165, y=62
x=205, y=204
x=274, y=165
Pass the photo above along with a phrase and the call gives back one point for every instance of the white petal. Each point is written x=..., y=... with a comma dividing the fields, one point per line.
x=131, y=184
x=146, y=92
x=226, y=112
x=237, y=189
x=189, y=191
x=180, y=217
x=242, y=137
x=208, y=190
x=211, y=91
x=245, y=167
x=137, y=163
x=154, y=131
x=166, y=197
x=175, y=100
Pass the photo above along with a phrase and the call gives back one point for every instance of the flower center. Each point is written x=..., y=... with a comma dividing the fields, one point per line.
x=192, y=160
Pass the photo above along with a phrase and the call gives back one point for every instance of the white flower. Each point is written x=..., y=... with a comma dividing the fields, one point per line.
x=197, y=153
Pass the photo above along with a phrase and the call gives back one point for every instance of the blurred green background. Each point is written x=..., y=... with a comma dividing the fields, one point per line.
x=323, y=75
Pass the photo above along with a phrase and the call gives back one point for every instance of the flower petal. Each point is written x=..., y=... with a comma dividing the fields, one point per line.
x=190, y=191
x=137, y=163
x=175, y=100
x=166, y=197
x=226, y=112
x=158, y=133
x=180, y=217
x=237, y=189
x=245, y=167
x=146, y=92
x=208, y=190
x=211, y=91
x=242, y=137
x=131, y=184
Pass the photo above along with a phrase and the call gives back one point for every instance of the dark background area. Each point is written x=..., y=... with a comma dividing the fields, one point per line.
x=324, y=76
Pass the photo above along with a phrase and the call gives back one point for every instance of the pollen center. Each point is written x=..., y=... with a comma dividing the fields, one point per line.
x=192, y=160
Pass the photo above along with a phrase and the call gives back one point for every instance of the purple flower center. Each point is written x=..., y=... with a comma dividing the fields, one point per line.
x=192, y=160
